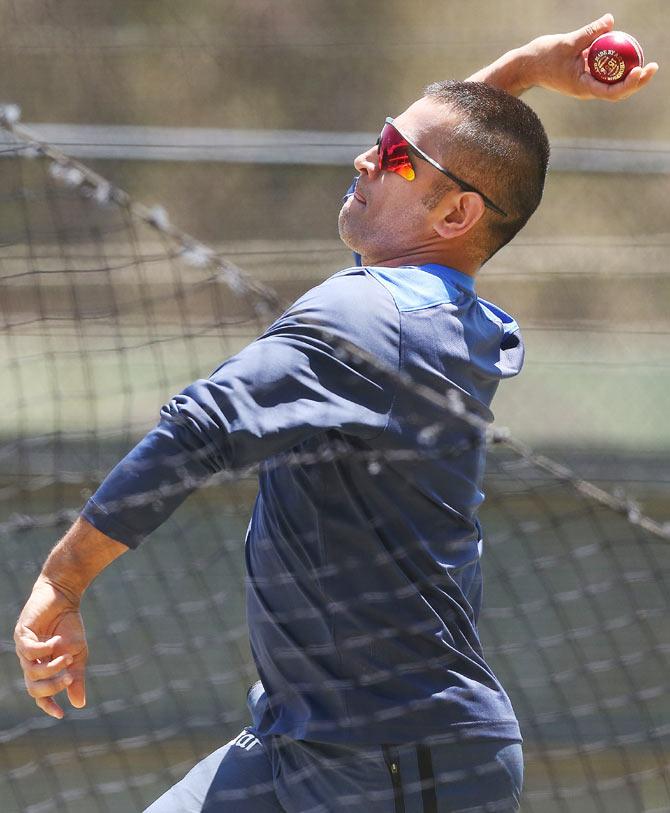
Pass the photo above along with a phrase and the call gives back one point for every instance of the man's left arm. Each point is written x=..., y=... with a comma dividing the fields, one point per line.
x=558, y=62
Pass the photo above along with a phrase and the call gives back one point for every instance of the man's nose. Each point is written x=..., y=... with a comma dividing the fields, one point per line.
x=368, y=162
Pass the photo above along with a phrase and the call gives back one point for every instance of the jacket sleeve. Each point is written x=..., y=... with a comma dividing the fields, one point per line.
x=291, y=383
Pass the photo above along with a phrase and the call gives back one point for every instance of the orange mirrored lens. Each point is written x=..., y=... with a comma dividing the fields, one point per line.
x=406, y=171
x=394, y=153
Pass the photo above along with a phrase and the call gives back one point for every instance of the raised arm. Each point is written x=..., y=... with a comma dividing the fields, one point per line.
x=558, y=62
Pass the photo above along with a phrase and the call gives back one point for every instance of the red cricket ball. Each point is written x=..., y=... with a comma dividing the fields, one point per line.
x=613, y=56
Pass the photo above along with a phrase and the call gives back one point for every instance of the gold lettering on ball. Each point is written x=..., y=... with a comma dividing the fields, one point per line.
x=610, y=65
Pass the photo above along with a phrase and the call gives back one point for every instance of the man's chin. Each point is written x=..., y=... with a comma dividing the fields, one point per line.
x=349, y=244
x=347, y=235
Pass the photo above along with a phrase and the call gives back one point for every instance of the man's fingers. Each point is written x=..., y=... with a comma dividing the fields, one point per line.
x=76, y=692
x=50, y=707
x=44, y=680
x=645, y=76
x=36, y=670
x=648, y=73
x=49, y=686
x=32, y=649
x=583, y=37
x=632, y=82
x=636, y=80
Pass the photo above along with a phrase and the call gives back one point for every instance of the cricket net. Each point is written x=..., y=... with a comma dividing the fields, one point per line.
x=106, y=311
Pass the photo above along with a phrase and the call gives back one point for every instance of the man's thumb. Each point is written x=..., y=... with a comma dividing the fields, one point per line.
x=583, y=37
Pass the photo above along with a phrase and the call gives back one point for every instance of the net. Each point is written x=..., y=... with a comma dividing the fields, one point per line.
x=107, y=310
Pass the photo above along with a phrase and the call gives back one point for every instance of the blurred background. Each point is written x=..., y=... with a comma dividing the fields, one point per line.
x=587, y=278
x=242, y=119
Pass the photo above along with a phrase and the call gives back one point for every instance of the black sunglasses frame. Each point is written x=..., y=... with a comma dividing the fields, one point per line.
x=465, y=186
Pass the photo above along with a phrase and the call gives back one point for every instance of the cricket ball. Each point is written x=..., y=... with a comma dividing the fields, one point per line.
x=613, y=56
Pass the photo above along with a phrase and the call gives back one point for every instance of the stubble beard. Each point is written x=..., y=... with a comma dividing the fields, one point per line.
x=348, y=234
x=388, y=237
x=370, y=240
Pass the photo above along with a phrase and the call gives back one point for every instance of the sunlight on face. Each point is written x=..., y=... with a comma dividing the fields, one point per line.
x=388, y=216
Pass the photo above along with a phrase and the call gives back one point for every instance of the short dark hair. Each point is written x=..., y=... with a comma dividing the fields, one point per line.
x=500, y=146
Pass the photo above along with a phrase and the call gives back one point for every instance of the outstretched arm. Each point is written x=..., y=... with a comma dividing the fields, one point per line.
x=289, y=385
x=558, y=62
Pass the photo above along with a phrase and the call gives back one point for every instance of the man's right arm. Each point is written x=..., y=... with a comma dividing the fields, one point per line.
x=558, y=62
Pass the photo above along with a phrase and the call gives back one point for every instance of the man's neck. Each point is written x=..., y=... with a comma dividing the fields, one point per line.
x=424, y=258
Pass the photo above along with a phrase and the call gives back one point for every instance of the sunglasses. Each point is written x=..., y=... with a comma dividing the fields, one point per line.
x=394, y=156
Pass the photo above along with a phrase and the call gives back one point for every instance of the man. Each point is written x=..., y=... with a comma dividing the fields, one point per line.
x=364, y=582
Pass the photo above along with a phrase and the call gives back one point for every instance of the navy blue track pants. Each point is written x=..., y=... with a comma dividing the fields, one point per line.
x=281, y=775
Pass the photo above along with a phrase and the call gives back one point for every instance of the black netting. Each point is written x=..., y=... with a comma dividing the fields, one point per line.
x=107, y=310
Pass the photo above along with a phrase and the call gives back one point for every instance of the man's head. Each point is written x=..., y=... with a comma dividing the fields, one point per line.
x=489, y=139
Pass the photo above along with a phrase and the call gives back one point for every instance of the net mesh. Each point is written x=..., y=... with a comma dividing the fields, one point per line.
x=108, y=310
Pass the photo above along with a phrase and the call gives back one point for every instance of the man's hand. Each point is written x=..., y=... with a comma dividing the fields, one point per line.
x=560, y=65
x=49, y=635
x=558, y=62
x=51, y=647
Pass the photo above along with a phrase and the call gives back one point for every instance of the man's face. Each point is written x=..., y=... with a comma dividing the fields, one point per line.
x=387, y=216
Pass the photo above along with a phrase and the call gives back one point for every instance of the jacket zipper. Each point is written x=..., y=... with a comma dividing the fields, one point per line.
x=393, y=765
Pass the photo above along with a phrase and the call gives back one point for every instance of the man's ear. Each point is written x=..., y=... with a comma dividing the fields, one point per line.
x=466, y=210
